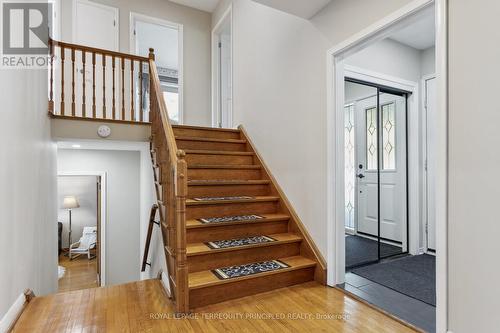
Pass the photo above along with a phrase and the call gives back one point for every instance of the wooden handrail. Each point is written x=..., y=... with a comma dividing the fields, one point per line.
x=91, y=50
x=170, y=176
x=151, y=224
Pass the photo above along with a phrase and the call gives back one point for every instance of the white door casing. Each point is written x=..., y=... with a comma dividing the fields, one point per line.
x=393, y=167
x=430, y=160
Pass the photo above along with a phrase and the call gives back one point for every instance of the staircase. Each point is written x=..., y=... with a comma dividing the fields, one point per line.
x=227, y=178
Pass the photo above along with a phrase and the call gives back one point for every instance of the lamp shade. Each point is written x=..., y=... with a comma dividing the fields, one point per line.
x=70, y=202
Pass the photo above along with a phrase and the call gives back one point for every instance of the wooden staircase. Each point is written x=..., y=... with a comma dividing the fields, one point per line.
x=224, y=163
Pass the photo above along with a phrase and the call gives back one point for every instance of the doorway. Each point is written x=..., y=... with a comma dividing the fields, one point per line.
x=166, y=38
x=80, y=225
x=222, y=77
x=376, y=197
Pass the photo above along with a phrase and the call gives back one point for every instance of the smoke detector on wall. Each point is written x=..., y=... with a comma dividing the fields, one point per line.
x=104, y=131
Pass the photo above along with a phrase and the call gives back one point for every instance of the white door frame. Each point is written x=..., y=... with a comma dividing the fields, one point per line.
x=413, y=137
x=92, y=3
x=177, y=26
x=425, y=78
x=226, y=17
x=104, y=217
x=335, y=143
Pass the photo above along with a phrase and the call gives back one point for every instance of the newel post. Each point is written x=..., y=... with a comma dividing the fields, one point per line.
x=181, y=257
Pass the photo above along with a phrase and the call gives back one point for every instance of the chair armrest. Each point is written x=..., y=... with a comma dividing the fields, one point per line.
x=74, y=245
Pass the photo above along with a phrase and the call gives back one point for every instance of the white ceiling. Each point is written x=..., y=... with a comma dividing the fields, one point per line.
x=420, y=34
x=302, y=8
x=205, y=5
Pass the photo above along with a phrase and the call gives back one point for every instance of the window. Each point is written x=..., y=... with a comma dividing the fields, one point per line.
x=349, y=166
x=371, y=139
x=389, y=136
x=171, y=96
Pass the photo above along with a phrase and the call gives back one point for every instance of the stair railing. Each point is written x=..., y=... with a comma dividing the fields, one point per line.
x=88, y=83
x=170, y=176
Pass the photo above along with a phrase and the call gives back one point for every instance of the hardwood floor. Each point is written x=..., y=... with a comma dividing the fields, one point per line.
x=143, y=307
x=81, y=273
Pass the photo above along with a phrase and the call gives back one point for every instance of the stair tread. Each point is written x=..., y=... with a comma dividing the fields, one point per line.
x=202, y=248
x=217, y=129
x=191, y=202
x=201, y=182
x=266, y=218
x=217, y=152
x=207, y=278
x=224, y=166
x=197, y=138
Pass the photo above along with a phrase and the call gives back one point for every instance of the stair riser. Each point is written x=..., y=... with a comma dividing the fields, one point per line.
x=209, y=159
x=217, y=259
x=196, y=212
x=237, y=289
x=204, y=145
x=200, y=133
x=227, y=190
x=198, y=235
x=226, y=174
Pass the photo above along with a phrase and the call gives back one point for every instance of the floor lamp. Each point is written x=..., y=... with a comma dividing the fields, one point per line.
x=69, y=203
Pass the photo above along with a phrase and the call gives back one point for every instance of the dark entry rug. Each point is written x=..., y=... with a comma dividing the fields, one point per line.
x=360, y=250
x=248, y=269
x=414, y=276
x=237, y=218
x=222, y=244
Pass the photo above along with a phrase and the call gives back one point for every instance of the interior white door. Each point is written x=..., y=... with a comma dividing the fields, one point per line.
x=430, y=108
x=393, y=166
x=95, y=25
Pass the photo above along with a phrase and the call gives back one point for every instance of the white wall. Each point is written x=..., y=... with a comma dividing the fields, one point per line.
x=428, y=61
x=123, y=229
x=84, y=188
x=28, y=211
x=197, y=26
x=473, y=227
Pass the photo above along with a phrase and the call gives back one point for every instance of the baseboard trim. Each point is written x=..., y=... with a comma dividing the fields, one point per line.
x=164, y=282
x=15, y=310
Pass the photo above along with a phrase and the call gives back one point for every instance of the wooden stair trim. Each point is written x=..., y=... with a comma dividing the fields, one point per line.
x=222, y=182
x=314, y=252
x=204, y=128
x=200, y=139
x=225, y=166
x=197, y=249
x=204, y=279
x=217, y=152
x=195, y=224
x=191, y=202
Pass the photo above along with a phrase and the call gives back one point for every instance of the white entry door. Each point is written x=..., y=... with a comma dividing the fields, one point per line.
x=430, y=107
x=392, y=167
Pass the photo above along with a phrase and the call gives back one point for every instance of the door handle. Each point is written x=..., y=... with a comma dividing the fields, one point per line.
x=360, y=176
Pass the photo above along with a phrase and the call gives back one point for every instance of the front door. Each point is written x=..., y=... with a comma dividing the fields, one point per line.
x=389, y=146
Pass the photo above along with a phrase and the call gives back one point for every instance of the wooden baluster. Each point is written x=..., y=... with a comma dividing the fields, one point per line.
x=180, y=202
x=141, y=99
x=114, y=100
x=51, y=92
x=104, y=86
x=62, y=80
x=94, y=113
x=132, y=113
x=151, y=57
x=84, y=59
x=73, y=111
x=123, y=88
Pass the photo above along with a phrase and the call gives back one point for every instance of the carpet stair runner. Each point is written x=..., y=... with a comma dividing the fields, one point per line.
x=242, y=239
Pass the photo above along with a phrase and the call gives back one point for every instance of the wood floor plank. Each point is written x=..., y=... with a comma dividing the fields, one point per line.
x=144, y=307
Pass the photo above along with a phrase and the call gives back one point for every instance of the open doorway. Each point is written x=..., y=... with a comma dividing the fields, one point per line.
x=222, y=77
x=386, y=153
x=80, y=240
x=166, y=38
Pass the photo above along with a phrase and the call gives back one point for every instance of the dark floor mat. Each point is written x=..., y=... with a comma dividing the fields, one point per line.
x=414, y=276
x=223, y=244
x=249, y=269
x=360, y=250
